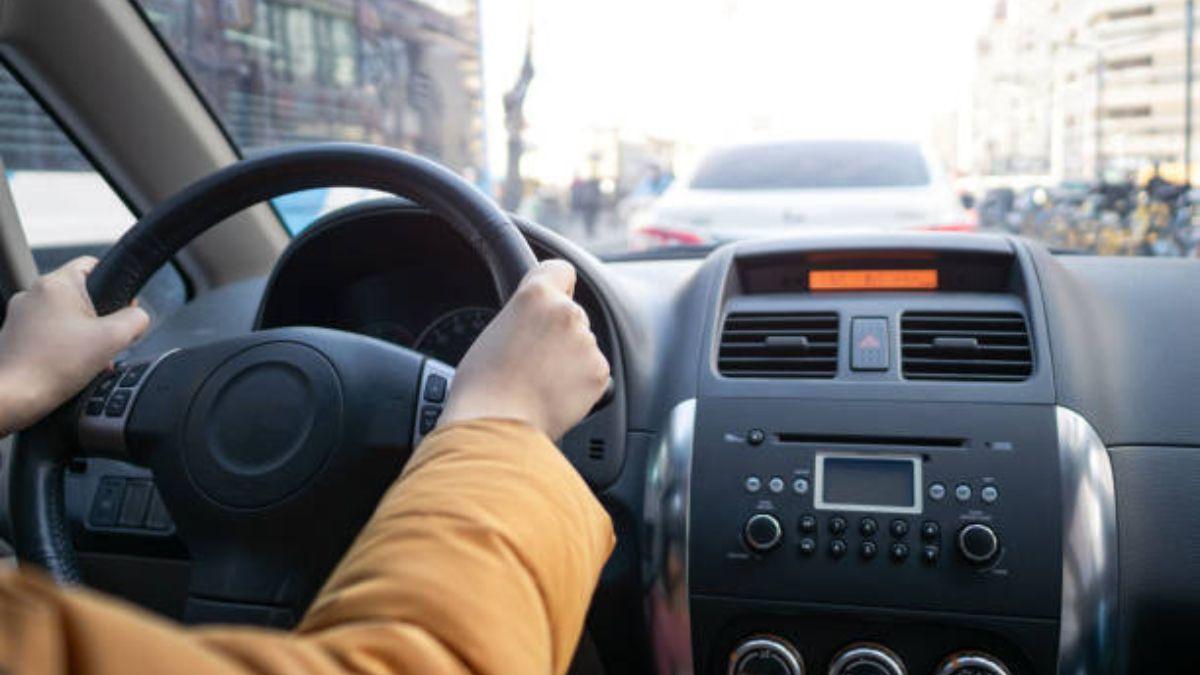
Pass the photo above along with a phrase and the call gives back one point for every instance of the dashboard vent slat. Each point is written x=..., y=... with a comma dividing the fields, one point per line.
x=779, y=345
x=965, y=346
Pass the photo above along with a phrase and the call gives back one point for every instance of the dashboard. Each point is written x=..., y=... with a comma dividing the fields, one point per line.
x=890, y=453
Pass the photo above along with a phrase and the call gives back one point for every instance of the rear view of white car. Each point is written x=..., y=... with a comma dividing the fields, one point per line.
x=783, y=188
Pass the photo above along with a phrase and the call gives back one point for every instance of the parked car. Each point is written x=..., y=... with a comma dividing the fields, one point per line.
x=775, y=188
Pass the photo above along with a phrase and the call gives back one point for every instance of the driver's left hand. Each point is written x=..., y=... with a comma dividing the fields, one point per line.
x=52, y=344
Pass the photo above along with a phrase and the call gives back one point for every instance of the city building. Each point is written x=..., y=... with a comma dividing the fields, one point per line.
x=1080, y=89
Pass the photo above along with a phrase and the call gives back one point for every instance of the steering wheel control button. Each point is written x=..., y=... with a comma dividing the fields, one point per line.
x=775, y=485
x=435, y=388
x=898, y=551
x=94, y=407
x=930, y=530
x=429, y=418
x=765, y=655
x=107, y=502
x=807, y=546
x=808, y=523
x=937, y=492
x=971, y=663
x=762, y=532
x=837, y=548
x=800, y=486
x=978, y=543
x=899, y=528
x=105, y=385
x=867, y=659
x=157, y=517
x=989, y=494
x=752, y=484
x=117, y=403
x=868, y=549
x=756, y=436
x=962, y=492
x=869, y=343
x=867, y=527
x=133, y=376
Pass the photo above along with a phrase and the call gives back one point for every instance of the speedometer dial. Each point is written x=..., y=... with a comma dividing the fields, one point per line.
x=449, y=337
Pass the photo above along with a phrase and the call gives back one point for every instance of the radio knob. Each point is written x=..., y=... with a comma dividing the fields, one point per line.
x=762, y=532
x=978, y=543
x=867, y=659
x=765, y=655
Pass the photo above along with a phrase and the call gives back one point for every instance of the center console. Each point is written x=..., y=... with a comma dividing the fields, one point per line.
x=874, y=477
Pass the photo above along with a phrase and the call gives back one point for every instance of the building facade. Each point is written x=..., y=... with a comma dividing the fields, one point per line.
x=1080, y=89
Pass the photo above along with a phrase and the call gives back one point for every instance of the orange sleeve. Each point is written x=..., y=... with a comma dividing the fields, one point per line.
x=481, y=559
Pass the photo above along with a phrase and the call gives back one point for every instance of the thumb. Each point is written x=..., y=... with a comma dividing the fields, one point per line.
x=559, y=273
x=125, y=325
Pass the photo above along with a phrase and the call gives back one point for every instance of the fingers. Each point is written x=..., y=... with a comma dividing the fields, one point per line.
x=125, y=325
x=83, y=265
x=559, y=274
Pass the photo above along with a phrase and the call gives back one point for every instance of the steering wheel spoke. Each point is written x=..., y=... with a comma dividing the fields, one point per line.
x=104, y=408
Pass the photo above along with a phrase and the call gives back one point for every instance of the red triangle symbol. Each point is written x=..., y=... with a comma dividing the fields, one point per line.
x=869, y=341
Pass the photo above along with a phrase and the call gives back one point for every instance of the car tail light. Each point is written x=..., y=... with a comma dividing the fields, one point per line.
x=654, y=236
x=953, y=227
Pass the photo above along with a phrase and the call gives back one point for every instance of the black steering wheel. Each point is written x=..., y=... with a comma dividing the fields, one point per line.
x=270, y=449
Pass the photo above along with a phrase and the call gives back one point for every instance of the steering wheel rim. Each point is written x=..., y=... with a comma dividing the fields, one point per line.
x=40, y=524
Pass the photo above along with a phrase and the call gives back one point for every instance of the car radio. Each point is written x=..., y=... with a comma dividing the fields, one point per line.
x=920, y=509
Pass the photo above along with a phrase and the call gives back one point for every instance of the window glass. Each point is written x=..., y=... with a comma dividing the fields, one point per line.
x=812, y=165
x=43, y=167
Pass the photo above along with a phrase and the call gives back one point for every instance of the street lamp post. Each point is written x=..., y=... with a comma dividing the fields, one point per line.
x=1187, y=97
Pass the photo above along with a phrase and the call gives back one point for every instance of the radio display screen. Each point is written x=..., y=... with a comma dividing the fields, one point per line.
x=869, y=482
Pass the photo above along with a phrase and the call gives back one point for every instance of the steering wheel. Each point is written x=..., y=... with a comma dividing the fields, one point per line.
x=270, y=449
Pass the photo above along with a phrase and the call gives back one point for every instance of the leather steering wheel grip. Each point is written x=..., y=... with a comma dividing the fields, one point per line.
x=40, y=524
x=171, y=225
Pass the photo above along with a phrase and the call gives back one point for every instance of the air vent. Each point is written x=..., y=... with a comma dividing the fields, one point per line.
x=991, y=346
x=769, y=344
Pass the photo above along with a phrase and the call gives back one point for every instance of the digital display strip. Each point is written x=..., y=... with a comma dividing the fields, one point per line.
x=873, y=280
x=868, y=482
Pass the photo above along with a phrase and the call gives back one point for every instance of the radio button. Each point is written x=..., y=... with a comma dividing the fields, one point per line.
x=962, y=492
x=899, y=528
x=868, y=549
x=808, y=523
x=755, y=436
x=937, y=492
x=837, y=548
x=762, y=532
x=807, y=546
x=752, y=484
x=930, y=554
x=775, y=484
x=898, y=551
x=989, y=494
x=837, y=525
x=930, y=530
x=868, y=527
x=800, y=486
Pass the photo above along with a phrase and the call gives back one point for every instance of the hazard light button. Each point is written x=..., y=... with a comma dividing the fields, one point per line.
x=869, y=343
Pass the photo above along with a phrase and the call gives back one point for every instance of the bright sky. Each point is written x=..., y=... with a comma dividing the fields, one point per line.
x=711, y=71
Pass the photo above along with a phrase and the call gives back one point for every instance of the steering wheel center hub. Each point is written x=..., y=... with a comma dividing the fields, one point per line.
x=262, y=425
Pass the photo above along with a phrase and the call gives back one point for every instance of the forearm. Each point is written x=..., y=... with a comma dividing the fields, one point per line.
x=482, y=559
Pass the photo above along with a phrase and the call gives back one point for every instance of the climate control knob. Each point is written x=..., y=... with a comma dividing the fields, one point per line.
x=867, y=658
x=762, y=532
x=978, y=543
x=765, y=655
x=971, y=663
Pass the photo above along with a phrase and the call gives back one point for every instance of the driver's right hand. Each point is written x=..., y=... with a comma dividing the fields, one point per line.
x=536, y=362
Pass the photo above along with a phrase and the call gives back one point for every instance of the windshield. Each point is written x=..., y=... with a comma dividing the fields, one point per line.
x=821, y=164
x=642, y=125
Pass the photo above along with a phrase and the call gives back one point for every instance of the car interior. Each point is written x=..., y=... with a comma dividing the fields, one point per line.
x=893, y=452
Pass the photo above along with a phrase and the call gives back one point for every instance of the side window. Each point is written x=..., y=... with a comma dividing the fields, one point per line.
x=66, y=207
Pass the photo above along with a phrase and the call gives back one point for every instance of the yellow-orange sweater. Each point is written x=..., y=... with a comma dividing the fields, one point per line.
x=482, y=558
